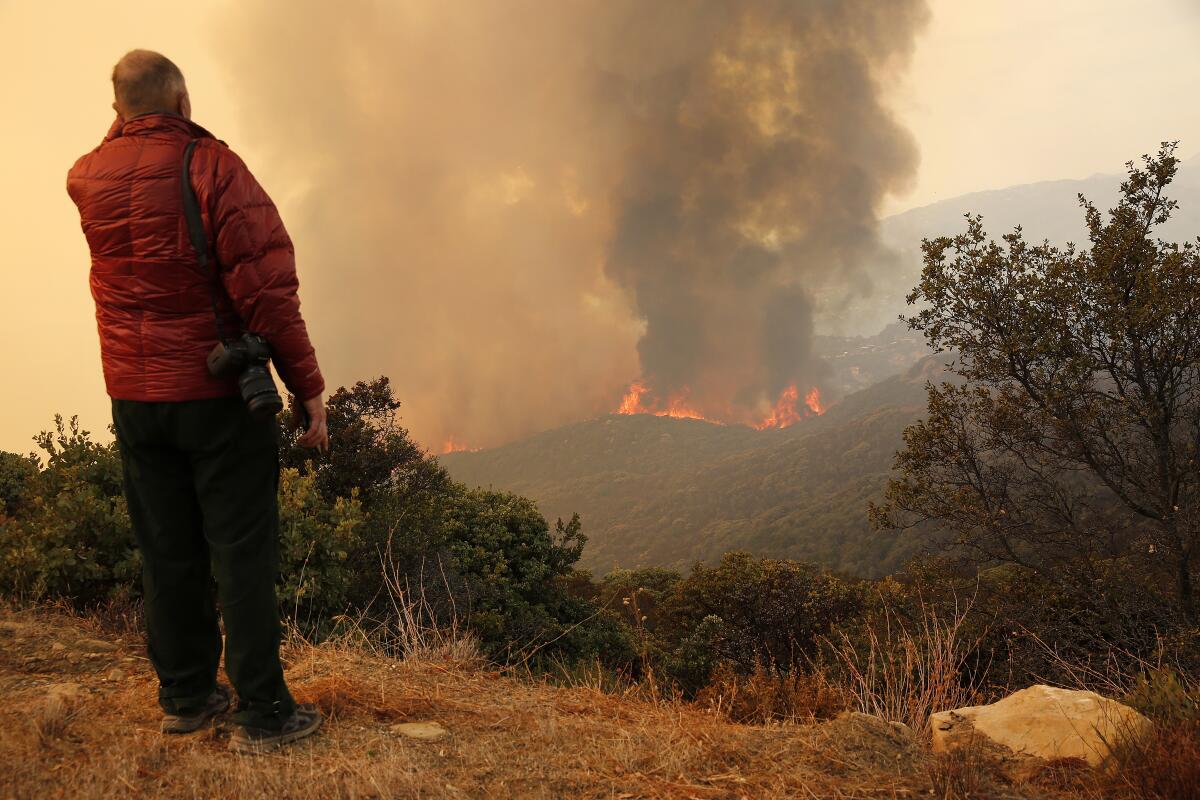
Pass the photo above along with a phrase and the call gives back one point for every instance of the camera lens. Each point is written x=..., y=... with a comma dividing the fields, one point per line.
x=258, y=390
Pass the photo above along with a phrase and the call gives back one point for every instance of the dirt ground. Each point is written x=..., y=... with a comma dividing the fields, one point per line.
x=79, y=719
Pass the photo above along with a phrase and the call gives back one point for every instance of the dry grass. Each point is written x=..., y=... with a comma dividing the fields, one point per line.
x=964, y=773
x=1165, y=766
x=768, y=696
x=904, y=673
x=57, y=710
x=509, y=738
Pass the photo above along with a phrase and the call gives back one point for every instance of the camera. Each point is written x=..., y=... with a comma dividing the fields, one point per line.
x=247, y=357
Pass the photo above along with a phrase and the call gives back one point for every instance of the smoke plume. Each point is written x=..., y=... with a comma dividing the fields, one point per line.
x=516, y=209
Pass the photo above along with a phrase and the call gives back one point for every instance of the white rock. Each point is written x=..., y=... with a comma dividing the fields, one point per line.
x=1045, y=722
x=426, y=731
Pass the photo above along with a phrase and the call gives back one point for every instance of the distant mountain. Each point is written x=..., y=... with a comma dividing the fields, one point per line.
x=1047, y=210
x=669, y=492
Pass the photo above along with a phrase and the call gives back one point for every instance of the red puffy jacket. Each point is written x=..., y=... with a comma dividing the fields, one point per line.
x=153, y=300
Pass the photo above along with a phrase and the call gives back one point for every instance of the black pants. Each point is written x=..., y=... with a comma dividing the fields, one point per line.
x=201, y=480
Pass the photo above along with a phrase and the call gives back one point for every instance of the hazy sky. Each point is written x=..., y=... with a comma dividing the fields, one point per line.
x=1004, y=92
x=1000, y=92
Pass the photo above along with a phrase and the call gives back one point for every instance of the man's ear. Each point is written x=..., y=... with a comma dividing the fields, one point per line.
x=114, y=106
x=185, y=105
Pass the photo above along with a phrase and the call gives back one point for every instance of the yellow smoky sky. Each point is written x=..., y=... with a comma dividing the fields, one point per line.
x=1000, y=92
x=1006, y=92
x=55, y=94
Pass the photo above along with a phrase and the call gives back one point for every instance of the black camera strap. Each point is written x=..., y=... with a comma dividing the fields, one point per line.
x=195, y=223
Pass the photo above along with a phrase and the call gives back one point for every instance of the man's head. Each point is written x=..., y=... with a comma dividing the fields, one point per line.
x=145, y=82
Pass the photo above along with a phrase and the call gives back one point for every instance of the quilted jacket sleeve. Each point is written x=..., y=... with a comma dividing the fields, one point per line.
x=258, y=266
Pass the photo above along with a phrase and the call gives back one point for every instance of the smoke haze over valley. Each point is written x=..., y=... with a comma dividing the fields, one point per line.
x=520, y=211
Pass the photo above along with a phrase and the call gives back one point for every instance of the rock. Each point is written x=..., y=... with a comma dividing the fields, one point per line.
x=1045, y=722
x=869, y=741
x=871, y=725
x=64, y=691
x=57, y=647
x=425, y=731
x=115, y=674
x=95, y=646
x=57, y=710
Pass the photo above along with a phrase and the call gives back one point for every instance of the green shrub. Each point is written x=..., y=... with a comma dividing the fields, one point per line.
x=70, y=537
x=369, y=452
x=772, y=612
x=65, y=532
x=316, y=539
x=1063, y=629
x=1162, y=695
x=488, y=560
x=17, y=473
x=514, y=568
x=744, y=614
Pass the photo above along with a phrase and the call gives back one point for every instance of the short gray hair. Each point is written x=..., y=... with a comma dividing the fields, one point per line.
x=145, y=81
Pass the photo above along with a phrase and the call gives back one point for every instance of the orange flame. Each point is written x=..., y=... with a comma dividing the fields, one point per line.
x=453, y=445
x=813, y=401
x=787, y=411
x=632, y=402
x=676, y=405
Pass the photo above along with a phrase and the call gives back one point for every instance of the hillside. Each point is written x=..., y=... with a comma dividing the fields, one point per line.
x=669, y=492
x=80, y=720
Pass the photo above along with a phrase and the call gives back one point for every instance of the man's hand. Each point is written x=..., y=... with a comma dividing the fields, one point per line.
x=317, y=434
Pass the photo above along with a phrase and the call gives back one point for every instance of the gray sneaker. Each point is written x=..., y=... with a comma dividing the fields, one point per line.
x=304, y=721
x=217, y=703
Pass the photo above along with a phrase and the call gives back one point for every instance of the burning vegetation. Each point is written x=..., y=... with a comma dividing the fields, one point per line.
x=455, y=445
x=787, y=411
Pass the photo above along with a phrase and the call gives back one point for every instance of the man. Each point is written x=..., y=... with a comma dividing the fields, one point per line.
x=201, y=472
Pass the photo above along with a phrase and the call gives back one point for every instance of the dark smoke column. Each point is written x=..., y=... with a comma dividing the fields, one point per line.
x=514, y=208
x=759, y=152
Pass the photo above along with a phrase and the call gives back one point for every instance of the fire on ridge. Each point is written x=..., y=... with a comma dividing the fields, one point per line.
x=455, y=445
x=787, y=411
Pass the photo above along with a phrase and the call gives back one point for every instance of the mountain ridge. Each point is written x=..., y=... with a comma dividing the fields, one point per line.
x=1044, y=209
x=658, y=491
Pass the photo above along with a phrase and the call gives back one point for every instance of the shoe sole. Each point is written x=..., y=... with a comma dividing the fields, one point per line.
x=174, y=725
x=255, y=747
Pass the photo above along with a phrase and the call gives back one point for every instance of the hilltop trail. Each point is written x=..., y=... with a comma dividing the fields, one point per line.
x=80, y=720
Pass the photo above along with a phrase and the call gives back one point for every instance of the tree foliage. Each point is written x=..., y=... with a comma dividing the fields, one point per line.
x=369, y=452
x=1072, y=437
